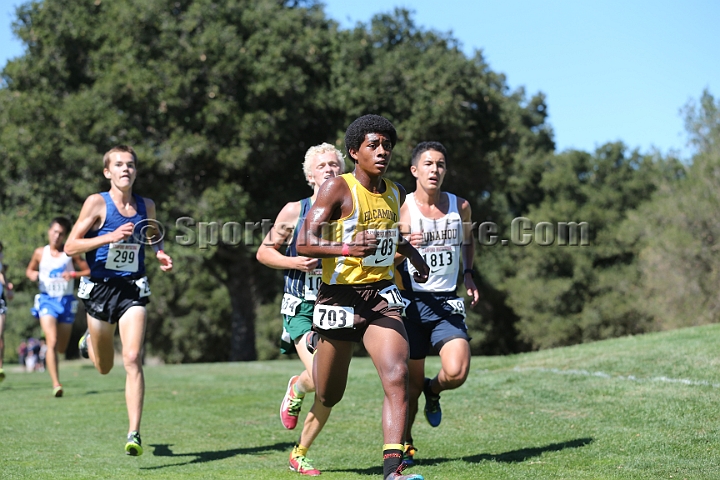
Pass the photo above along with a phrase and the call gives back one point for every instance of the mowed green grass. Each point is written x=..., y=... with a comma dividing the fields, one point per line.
x=644, y=407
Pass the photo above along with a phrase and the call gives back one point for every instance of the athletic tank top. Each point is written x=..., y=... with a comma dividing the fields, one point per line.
x=371, y=211
x=122, y=259
x=443, y=238
x=51, y=270
x=295, y=280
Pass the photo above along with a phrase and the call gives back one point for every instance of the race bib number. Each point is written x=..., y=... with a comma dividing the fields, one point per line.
x=143, y=287
x=406, y=303
x=392, y=296
x=328, y=317
x=290, y=304
x=313, y=280
x=441, y=259
x=458, y=306
x=84, y=288
x=123, y=257
x=56, y=287
x=384, y=256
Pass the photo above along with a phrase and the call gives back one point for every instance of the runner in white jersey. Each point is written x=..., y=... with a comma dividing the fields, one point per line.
x=55, y=305
x=437, y=223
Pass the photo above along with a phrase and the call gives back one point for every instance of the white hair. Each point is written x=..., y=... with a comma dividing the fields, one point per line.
x=316, y=150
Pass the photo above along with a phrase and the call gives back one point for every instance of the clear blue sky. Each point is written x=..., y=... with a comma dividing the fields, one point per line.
x=611, y=69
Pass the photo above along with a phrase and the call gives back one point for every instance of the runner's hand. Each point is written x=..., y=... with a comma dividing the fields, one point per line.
x=422, y=270
x=123, y=232
x=416, y=239
x=365, y=244
x=306, y=264
x=166, y=263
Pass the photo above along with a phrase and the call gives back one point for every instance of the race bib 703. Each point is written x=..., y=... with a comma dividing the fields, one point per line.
x=328, y=317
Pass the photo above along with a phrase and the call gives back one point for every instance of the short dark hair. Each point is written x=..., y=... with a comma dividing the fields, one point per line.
x=355, y=133
x=423, y=147
x=63, y=222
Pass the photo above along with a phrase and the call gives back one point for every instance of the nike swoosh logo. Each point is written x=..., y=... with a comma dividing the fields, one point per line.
x=435, y=271
x=378, y=261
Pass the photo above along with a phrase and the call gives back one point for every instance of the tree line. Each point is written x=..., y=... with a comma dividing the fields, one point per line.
x=221, y=98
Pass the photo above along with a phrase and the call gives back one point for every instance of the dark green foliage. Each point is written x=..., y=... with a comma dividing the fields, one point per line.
x=221, y=99
x=573, y=293
x=216, y=97
x=679, y=230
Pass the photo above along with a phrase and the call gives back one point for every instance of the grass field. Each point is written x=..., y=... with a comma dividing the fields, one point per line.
x=642, y=407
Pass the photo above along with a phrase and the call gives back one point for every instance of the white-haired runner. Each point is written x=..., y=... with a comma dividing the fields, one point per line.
x=302, y=279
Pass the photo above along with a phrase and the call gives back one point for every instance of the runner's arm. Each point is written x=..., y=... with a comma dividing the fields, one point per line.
x=333, y=200
x=269, y=251
x=155, y=238
x=32, y=272
x=93, y=211
x=467, y=250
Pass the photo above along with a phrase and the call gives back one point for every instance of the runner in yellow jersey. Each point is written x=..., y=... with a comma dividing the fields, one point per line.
x=353, y=227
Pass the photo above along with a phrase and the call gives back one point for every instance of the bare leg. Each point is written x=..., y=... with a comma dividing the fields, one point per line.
x=386, y=342
x=417, y=379
x=330, y=370
x=132, y=335
x=455, y=365
x=305, y=383
x=57, y=336
x=100, y=347
x=319, y=413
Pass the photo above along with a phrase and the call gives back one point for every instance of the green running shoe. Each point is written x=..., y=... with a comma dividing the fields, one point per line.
x=133, y=446
x=83, y=344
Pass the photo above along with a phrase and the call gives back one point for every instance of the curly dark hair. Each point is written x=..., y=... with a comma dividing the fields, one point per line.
x=423, y=147
x=355, y=134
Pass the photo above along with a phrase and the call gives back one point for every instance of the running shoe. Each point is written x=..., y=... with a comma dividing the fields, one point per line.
x=409, y=455
x=397, y=475
x=433, y=413
x=58, y=391
x=2, y=374
x=302, y=465
x=291, y=405
x=83, y=344
x=311, y=340
x=134, y=445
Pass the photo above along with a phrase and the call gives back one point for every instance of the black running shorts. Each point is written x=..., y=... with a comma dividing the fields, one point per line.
x=110, y=298
x=367, y=303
